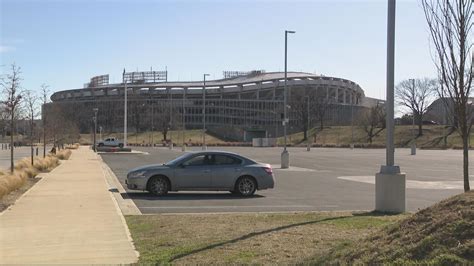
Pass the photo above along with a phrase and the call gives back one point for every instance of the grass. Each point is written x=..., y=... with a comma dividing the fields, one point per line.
x=335, y=136
x=192, y=137
x=246, y=238
x=442, y=234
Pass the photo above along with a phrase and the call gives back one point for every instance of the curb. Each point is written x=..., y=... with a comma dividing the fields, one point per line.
x=126, y=206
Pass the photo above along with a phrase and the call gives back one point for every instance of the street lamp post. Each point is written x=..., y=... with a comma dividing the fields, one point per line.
x=96, y=110
x=204, y=147
x=308, y=144
x=171, y=119
x=125, y=110
x=413, y=142
x=184, y=120
x=352, y=123
x=285, y=156
x=390, y=183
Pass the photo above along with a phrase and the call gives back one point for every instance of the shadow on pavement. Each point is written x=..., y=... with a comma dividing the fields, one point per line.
x=185, y=196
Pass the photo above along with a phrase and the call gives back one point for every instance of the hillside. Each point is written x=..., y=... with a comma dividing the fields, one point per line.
x=441, y=234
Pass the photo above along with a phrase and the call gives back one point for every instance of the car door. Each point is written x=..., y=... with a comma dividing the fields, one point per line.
x=225, y=169
x=194, y=173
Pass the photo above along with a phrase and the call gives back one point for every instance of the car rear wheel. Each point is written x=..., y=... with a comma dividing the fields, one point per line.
x=121, y=145
x=158, y=185
x=246, y=186
x=100, y=144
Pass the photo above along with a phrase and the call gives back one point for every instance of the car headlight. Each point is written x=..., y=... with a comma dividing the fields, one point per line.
x=137, y=174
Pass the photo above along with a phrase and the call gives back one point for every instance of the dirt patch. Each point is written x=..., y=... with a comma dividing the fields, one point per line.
x=285, y=238
x=11, y=198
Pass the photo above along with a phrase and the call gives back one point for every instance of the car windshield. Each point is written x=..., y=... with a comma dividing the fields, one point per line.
x=178, y=159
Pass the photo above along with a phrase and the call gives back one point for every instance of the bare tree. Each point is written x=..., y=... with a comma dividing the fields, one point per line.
x=451, y=28
x=416, y=95
x=372, y=121
x=12, y=92
x=44, y=94
x=30, y=101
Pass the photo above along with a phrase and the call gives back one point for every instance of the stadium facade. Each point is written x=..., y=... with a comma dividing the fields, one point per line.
x=240, y=106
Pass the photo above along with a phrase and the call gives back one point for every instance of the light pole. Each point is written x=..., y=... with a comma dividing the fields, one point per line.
x=308, y=145
x=413, y=142
x=96, y=110
x=171, y=119
x=390, y=183
x=125, y=110
x=184, y=121
x=352, y=122
x=204, y=147
x=152, y=122
x=285, y=156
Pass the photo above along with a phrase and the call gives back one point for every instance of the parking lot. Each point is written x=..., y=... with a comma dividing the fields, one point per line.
x=19, y=153
x=323, y=179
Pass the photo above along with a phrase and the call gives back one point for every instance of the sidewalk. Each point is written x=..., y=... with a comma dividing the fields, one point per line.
x=67, y=217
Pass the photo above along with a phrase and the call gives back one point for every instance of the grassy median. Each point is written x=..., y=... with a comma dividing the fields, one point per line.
x=248, y=238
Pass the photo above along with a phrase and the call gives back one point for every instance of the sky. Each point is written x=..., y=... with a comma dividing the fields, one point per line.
x=65, y=43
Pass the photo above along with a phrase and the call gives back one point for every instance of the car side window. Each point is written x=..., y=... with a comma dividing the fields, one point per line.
x=226, y=160
x=197, y=161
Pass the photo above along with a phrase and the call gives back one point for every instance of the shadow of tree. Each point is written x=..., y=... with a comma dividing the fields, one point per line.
x=254, y=234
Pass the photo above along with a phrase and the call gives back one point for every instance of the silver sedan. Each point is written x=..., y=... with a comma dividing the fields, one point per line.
x=208, y=171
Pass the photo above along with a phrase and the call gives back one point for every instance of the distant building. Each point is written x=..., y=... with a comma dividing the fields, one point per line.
x=242, y=106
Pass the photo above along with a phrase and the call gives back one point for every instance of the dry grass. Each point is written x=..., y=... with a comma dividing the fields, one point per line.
x=442, y=234
x=341, y=136
x=63, y=154
x=24, y=170
x=74, y=146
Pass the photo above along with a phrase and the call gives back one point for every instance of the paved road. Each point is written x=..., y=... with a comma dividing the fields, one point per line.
x=319, y=180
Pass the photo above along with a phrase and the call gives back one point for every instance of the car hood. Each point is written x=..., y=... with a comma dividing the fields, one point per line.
x=150, y=167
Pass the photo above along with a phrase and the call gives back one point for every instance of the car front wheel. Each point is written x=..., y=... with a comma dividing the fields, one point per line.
x=246, y=186
x=158, y=186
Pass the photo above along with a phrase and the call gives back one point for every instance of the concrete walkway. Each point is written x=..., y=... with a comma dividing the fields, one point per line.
x=67, y=217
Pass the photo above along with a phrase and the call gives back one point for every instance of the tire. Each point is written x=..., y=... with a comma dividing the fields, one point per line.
x=100, y=144
x=246, y=186
x=121, y=145
x=158, y=186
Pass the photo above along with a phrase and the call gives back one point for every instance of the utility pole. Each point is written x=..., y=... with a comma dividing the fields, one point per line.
x=152, y=122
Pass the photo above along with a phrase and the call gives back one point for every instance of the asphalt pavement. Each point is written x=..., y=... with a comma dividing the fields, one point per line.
x=322, y=179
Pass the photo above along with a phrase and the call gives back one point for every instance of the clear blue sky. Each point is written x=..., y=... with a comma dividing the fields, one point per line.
x=64, y=43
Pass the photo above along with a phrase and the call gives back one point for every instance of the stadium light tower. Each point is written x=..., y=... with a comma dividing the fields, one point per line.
x=204, y=147
x=285, y=156
x=390, y=182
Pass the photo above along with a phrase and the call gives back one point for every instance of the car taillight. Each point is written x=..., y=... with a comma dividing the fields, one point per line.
x=268, y=170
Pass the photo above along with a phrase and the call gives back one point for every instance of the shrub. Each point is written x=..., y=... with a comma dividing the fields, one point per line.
x=64, y=154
